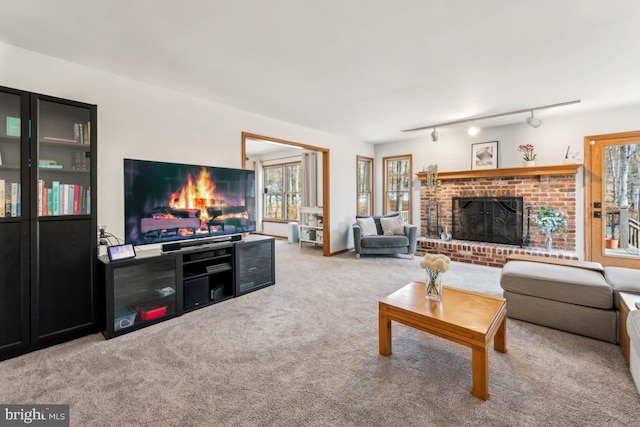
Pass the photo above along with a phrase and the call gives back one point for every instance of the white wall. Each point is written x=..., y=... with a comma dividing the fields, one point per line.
x=136, y=120
x=452, y=151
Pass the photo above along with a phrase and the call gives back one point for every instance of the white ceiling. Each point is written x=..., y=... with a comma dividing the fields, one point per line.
x=361, y=68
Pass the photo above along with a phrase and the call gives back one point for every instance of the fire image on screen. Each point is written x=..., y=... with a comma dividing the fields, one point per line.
x=169, y=201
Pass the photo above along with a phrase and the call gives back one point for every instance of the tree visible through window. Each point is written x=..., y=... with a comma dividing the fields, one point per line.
x=397, y=185
x=364, y=185
x=282, y=195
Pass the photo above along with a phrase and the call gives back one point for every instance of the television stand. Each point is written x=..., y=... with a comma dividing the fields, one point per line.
x=154, y=286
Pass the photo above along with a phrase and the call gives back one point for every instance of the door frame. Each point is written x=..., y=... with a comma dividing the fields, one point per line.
x=589, y=178
x=326, y=219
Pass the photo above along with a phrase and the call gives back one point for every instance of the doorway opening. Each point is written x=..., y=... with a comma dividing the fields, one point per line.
x=246, y=136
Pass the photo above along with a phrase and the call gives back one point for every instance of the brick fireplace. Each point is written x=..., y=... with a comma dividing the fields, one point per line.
x=542, y=185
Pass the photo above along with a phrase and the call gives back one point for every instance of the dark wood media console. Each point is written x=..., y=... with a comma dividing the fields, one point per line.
x=155, y=286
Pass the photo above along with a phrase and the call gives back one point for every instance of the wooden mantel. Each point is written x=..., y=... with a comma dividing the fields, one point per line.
x=564, y=169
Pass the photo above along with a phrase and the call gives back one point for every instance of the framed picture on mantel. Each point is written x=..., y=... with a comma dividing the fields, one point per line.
x=484, y=155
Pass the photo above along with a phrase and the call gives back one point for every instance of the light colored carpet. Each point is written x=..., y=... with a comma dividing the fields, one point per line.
x=305, y=353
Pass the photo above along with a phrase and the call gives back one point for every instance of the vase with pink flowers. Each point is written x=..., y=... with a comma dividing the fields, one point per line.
x=529, y=155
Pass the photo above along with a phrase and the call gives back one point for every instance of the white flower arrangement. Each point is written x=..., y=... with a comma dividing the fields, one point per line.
x=434, y=265
x=439, y=263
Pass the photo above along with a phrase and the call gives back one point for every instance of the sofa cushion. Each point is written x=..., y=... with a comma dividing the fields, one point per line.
x=367, y=226
x=392, y=226
x=385, y=242
x=571, y=285
x=622, y=280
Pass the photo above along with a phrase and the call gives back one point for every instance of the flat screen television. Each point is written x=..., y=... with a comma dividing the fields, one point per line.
x=166, y=202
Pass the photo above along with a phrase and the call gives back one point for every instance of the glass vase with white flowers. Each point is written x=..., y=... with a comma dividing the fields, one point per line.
x=435, y=266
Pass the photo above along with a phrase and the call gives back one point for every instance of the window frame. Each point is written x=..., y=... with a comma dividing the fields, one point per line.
x=283, y=193
x=370, y=192
x=385, y=179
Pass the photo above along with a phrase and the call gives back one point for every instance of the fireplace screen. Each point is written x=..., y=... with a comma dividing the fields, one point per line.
x=488, y=219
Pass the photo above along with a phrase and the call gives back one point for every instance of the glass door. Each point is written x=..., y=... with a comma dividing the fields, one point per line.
x=64, y=232
x=64, y=160
x=612, y=176
x=14, y=229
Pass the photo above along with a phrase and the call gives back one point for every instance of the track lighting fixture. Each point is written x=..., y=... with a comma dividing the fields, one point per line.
x=531, y=121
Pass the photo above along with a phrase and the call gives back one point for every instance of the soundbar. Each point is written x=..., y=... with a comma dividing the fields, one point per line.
x=176, y=246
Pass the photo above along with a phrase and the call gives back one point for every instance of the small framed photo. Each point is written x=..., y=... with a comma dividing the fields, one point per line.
x=484, y=155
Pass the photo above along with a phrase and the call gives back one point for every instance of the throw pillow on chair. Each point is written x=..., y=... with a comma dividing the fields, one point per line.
x=367, y=226
x=392, y=226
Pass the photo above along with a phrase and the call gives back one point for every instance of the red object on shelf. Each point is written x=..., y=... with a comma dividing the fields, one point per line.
x=151, y=310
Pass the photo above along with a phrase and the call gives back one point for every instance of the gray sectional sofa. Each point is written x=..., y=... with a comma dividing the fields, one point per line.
x=575, y=296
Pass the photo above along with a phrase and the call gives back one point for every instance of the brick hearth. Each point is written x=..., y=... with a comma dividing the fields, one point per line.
x=482, y=253
x=542, y=186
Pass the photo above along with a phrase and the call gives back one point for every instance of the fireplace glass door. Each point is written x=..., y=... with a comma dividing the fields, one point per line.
x=488, y=219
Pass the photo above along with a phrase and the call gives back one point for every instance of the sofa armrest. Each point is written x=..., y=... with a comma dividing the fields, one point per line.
x=411, y=231
x=357, y=236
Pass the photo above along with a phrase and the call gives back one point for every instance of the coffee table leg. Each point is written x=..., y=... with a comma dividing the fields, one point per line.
x=500, y=340
x=480, y=372
x=384, y=334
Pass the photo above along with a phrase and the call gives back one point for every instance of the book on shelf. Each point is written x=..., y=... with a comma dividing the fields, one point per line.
x=45, y=202
x=7, y=199
x=2, y=204
x=76, y=199
x=13, y=126
x=62, y=198
x=69, y=199
x=56, y=139
x=81, y=133
x=40, y=187
x=14, y=199
x=19, y=199
x=49, y=201
x=55, y=202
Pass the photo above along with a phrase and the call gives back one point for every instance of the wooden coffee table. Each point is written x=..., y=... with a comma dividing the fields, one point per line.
x=465, y=317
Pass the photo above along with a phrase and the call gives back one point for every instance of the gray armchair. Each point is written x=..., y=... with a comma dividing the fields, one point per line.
x=380, y=244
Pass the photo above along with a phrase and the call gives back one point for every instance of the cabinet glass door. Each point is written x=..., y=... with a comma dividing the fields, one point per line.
x=64, y=162
x=14, y=265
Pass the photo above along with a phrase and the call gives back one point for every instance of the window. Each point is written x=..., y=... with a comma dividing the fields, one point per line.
x=364, y=179
x=282, y=195
x=397, y=185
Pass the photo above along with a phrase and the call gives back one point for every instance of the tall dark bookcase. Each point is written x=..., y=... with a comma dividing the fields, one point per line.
x=47, y=220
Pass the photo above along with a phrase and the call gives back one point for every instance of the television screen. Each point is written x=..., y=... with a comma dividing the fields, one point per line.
x=169, y=201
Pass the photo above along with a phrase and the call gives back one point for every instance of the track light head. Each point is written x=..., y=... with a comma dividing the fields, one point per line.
x=533, y=121
x=434, y=135
x=473, y=130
